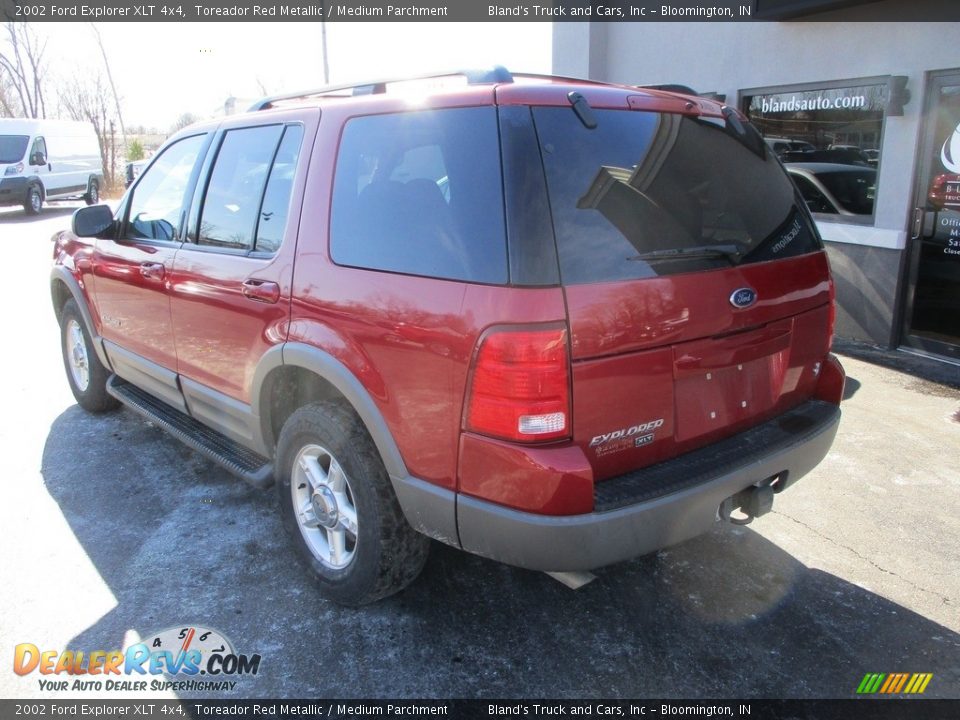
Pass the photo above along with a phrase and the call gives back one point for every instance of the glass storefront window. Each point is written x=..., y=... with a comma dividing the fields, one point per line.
x=829, y=138
x=933, y=314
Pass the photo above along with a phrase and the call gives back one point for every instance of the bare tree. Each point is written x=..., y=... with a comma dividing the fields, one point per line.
x=9, y=104
x=86, y=98
x=185, y=119
x=22, y=70
x=113, y=87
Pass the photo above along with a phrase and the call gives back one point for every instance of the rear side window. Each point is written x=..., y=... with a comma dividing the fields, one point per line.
x=276, y=199
x=232, y=200
x=647, y=194
x=421, y=193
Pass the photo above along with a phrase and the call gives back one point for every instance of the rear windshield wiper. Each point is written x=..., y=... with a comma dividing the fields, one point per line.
x=730, y=252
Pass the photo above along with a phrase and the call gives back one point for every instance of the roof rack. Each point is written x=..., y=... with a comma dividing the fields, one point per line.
x=497, y=74
x=667, y=87
x=566, y=78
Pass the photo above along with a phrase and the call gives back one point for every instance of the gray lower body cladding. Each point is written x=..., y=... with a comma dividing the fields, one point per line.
x=637, y=513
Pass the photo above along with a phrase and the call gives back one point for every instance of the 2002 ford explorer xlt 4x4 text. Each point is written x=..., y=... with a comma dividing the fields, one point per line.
x=553, y=322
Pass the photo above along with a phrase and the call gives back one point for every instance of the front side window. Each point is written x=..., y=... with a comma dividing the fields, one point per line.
x=421, y=193
x=157, y=201
x=231, y=204
x=38, y=155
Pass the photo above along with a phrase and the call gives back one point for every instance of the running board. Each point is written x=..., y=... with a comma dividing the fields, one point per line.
x=239, y=460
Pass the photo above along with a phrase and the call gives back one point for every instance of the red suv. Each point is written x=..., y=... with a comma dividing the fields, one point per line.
x=553, y=322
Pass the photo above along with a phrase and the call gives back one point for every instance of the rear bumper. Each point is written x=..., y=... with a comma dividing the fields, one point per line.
x=656, y=507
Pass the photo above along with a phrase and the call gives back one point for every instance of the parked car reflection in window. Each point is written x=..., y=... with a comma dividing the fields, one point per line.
x=835, y=189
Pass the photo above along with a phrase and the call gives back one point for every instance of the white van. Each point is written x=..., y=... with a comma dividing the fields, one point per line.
x=48, y=160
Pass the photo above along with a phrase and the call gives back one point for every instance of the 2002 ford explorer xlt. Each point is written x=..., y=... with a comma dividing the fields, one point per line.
x=553, y=322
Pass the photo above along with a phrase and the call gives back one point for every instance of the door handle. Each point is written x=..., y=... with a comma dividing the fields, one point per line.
x=261, y=290
x=924, y=223
x=917, y=223
x=152, y=270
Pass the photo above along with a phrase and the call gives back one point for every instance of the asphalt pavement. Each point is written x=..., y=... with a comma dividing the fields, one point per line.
x=112, y=531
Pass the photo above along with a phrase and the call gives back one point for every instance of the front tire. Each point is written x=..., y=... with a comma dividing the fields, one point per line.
x=93, y=194
x=339, y=507
x=85, y=373
x=34, y=201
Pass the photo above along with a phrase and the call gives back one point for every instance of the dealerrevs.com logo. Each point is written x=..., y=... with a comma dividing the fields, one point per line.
x=199, y=658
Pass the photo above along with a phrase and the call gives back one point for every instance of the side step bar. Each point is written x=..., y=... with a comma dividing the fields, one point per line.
x=241, y=461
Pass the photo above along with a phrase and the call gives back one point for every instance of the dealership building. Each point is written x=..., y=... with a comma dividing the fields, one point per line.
x=865, y=114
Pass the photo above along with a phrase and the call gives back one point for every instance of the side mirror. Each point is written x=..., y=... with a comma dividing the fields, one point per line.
x=92, y=221
x=38, y=159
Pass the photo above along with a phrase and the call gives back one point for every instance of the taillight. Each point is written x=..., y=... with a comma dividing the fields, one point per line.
x=520, y=387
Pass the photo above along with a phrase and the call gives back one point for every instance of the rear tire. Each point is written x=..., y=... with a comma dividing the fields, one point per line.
x=34, y=202
x=93, y=194
x=339, y=508
x=86, y=375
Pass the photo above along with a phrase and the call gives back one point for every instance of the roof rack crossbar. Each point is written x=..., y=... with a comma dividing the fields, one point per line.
x=496, y=74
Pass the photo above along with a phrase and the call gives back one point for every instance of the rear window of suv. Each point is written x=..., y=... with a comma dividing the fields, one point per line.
x=421, y=193
x=646, y=194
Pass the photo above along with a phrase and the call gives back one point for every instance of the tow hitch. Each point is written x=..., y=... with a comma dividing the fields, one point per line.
x=753, y=502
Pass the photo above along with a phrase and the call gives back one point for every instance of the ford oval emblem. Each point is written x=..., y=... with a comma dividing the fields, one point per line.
x=743, y=297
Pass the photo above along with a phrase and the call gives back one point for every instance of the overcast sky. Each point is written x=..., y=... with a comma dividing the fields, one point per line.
x=163, y=70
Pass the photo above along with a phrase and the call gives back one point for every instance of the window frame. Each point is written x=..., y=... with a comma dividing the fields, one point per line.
x=123, y=212
x=39, y=140
x=264, y=254
x=199, y=194
x=506, y=280
x=592, y=248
